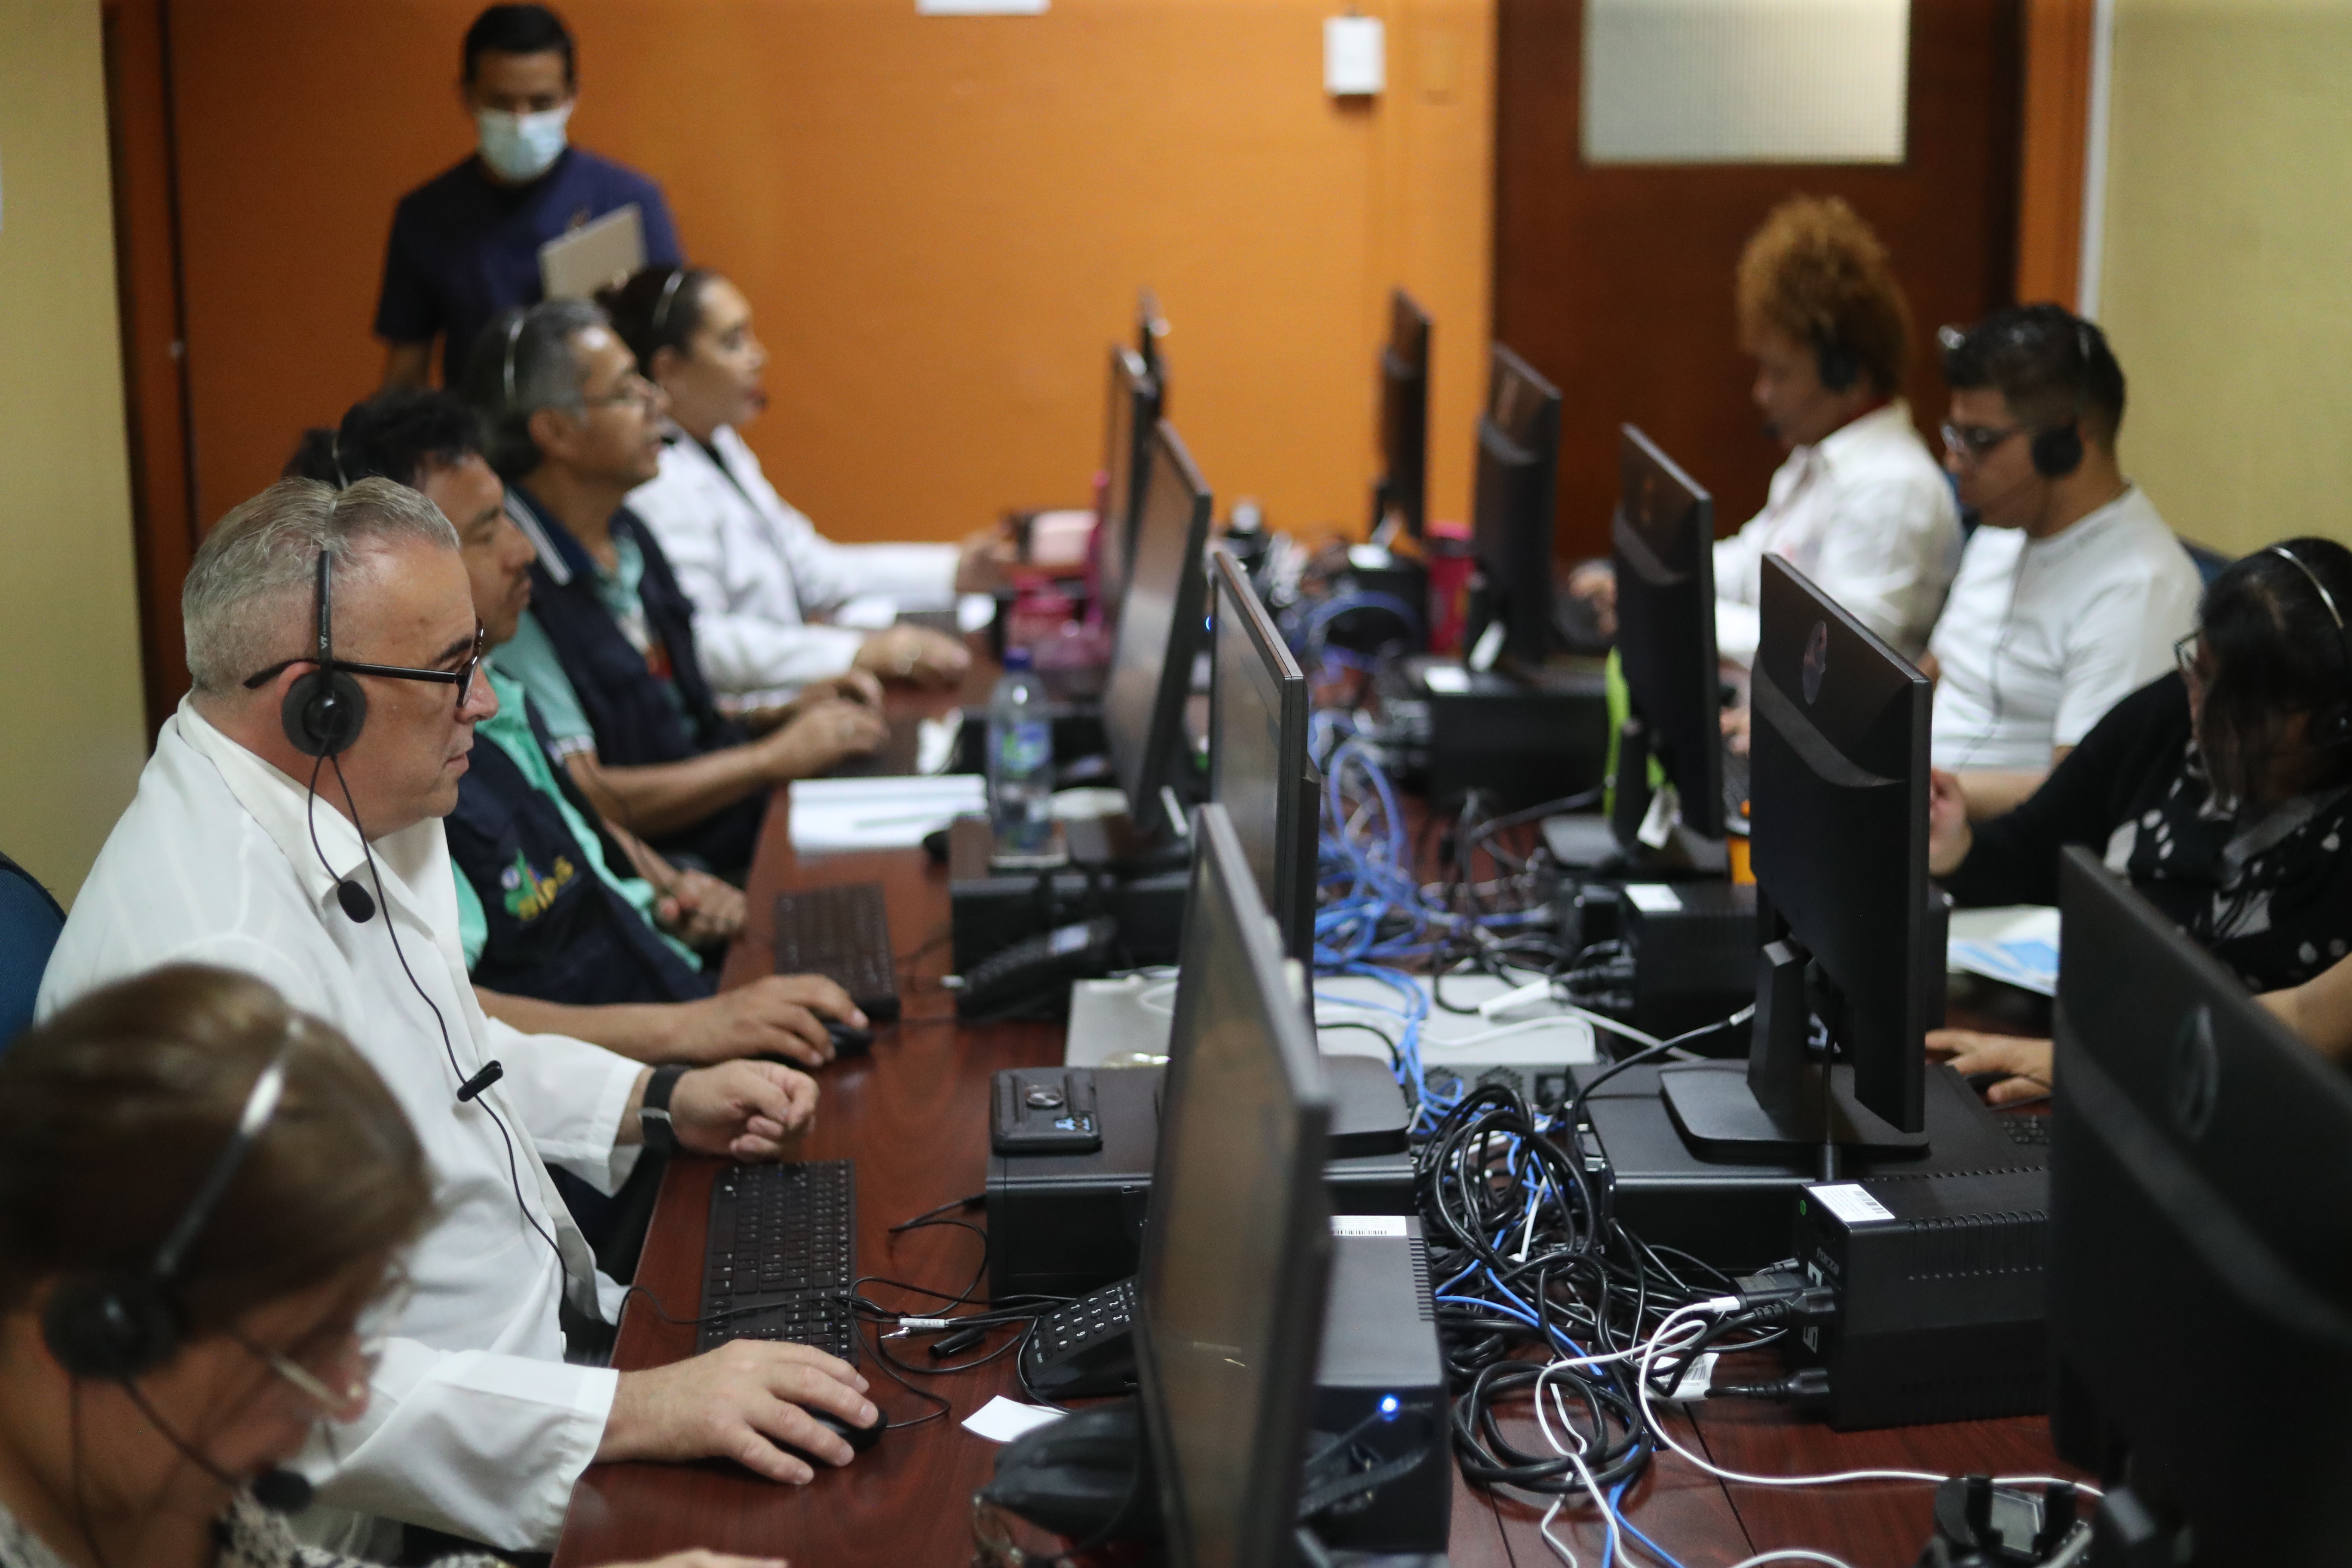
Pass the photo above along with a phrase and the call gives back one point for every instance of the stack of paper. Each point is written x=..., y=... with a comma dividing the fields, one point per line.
x=880, y=814
x=2016, y=943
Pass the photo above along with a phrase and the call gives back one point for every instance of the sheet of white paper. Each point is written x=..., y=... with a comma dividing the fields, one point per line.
x=2017, y=943
x=1001, y=1419
x=880, y=813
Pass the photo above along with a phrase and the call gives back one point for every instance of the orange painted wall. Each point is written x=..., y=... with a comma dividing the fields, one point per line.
x=941, y=221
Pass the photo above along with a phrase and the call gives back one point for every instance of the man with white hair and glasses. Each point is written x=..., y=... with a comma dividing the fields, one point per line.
x=288, y=826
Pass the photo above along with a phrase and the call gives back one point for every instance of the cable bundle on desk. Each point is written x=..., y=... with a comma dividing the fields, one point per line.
x=1526, y=1257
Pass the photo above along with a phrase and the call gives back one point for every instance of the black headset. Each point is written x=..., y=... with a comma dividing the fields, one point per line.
x=325, y=710
x=2058, y=451
x=1838, y=367
x=115, y=1329
x=2331, y=726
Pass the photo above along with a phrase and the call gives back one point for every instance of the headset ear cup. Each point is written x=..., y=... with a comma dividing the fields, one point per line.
x=324, y=712
x=108, y=1330
x=1837, y=367
x=2057, y=453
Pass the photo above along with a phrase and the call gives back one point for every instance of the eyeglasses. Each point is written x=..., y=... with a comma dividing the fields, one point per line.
x=1973, y=442
x=462, y=677
x=360, y=1353
x=2185, y=654
x=633, y=388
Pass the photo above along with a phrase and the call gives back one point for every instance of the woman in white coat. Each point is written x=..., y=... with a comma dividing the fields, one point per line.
x=757, y=570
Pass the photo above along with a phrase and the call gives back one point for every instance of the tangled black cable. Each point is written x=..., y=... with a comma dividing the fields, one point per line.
x=1527, y=1257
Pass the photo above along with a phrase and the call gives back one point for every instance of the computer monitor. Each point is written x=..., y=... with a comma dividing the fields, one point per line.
x=1259, y=766
x=1159, y=630
x=1404, y=418
x=1238, y=1248
x=1853, y=929
x=1518, y=460
x=1133, y=408
x=2200, y=1215
x=1664, y=538
x=1150, y=328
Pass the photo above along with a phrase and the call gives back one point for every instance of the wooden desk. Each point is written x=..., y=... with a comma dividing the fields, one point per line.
x=911, y=1116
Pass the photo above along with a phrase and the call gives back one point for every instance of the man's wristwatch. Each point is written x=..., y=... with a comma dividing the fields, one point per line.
x=653, y=1117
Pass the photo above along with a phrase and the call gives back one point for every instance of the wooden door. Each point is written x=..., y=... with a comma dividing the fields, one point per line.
x=1615, y=281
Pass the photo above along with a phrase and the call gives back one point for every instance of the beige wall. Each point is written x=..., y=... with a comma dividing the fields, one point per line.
x=2227, y=277
x=70, y=728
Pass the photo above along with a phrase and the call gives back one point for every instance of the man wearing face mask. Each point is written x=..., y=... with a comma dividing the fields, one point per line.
x=465, y=245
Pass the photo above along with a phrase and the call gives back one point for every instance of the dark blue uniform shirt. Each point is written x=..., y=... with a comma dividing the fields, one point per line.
x=464, y=247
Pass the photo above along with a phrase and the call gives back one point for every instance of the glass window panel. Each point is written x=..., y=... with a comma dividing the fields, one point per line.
x=1745, y=81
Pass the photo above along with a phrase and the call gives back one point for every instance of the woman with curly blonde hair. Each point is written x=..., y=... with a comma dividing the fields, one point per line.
x=1860, y=506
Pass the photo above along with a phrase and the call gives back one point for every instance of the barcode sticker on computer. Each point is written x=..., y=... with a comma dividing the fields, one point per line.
x=1367, y=1224
x=1851, y=1204
x=1653, y=898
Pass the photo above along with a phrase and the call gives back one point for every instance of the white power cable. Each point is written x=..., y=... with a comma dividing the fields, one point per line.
x=1717, y=1304
x=1794, y=1555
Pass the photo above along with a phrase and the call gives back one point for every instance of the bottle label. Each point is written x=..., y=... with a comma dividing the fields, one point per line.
x=1023, y=748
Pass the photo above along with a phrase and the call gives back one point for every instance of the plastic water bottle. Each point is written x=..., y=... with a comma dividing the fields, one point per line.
x=1019, y=758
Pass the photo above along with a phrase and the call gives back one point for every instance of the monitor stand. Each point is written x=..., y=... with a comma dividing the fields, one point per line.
x=1784, y=1101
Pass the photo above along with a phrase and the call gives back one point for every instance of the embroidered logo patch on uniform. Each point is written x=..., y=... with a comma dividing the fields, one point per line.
x=531, y=895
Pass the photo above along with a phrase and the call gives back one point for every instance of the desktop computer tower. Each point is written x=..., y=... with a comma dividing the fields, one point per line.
x=1739, y=1214
x=1380, y=1379
x=1524, y=739
x=1939, y=1282
x=1065, y=1223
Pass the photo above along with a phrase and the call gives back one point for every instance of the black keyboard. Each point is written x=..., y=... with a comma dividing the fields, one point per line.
x=782, y=1257
x=1734, y=783
x=1085, y=1347
x=843, y=934
x=2027, y=1131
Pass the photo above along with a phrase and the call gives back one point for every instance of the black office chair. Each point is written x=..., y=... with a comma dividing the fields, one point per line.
x=2210, y=561
x=30, y=921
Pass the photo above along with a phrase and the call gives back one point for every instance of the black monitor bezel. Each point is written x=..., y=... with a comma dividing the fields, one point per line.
x=1130, y=384
x=1405, y=414
x=1293, y=897
x=1889, y=1074
x=1223, y=887
x=2200, y=1151
x=1143, y=775
x=1511, y=524
x=1672, y=681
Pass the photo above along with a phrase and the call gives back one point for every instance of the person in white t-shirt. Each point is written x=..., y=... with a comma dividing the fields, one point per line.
x=2073, y=591
x=1860, y=506
x=761, y=576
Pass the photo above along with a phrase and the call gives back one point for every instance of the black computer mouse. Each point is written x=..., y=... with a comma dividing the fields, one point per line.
x=935, y=845
x=1980, y=1083
x=848, y=1038
x=859, y=1438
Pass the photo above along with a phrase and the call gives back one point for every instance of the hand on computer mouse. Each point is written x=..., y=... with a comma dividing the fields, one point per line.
x=914, y=653
x=829, y=733
x=848, y=1038
x=786, y=1017
x=1595, y=582
x=757, y=1403
x=2021, y=1067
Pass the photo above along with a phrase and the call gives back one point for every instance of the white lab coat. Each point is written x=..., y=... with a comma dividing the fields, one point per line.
x=757, y=570
x=477, y=1426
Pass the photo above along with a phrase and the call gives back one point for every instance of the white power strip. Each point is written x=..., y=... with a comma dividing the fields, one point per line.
x=1530, y=1048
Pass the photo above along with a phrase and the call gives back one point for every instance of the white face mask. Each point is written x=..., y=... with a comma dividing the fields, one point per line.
x=520, y=147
